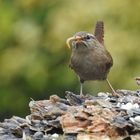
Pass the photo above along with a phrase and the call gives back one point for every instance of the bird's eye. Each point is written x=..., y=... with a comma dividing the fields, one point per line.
x=87, y=37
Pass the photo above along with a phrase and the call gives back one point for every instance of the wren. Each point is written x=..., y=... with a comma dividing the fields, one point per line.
x=90, y=59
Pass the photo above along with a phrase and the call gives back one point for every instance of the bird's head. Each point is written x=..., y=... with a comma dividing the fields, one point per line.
x=82, y=40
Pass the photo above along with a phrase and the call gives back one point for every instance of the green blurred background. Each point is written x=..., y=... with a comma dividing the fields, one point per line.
x=34, y=58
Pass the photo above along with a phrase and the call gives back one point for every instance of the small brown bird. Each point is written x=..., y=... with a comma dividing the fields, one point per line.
x=89, y=58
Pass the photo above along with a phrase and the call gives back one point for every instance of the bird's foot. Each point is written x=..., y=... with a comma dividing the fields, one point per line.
x=81, y=94
x=115, y=94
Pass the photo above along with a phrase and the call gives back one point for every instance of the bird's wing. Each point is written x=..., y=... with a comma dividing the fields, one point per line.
x=99, y=31
x=109, y=62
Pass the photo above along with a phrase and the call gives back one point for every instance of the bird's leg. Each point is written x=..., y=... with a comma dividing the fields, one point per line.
x=81, y=87
x=113, y=91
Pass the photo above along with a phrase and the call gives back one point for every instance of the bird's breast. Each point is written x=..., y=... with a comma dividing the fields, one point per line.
x=91, y=65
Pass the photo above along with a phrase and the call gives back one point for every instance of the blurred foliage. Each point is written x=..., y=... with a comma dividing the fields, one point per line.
x=34, y=59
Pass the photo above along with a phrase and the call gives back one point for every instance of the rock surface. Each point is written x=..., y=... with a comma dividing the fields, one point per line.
x=101, y=117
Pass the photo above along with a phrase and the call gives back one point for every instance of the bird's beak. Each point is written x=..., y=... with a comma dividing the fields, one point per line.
x=74, y=38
